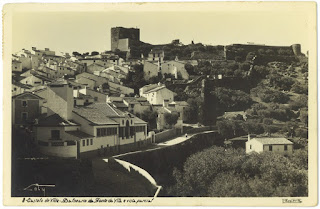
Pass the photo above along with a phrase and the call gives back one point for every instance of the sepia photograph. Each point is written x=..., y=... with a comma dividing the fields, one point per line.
x=179, y=103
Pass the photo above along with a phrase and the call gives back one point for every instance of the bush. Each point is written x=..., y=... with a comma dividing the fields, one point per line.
x=231, y=173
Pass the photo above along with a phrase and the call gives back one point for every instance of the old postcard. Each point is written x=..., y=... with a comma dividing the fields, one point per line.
x=149, y=104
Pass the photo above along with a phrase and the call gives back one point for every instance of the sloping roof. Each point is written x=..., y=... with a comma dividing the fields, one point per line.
x=98, y=113
x=41, y=77
x=119, y=104
x=21, y=85
x=180, y=103
x=155, y=89
x=273, y=140
x=17, y=61
x=18, y=78
x=135, y=99
x=96, y=65
x=79, y=134
x=137, y=120
x=54, y=120
x=27, y=95
x=145, y=103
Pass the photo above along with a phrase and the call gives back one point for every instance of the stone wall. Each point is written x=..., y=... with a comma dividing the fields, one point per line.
x=123, y=33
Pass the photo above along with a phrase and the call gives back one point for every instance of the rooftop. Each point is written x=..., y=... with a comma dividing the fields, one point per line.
x=54, y=120
x=98, y=113
x=267, y=140
x=79, y=134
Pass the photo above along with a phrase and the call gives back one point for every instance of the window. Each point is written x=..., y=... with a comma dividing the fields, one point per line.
x=55, y=134
x=24, y=116
x=270, y=147
x=83, y=142
x=87, y=142
x=106, y=131
x=15, y=89
x=91, y=141
x=15, y=67
x=285, y=147
x=24, y=103
x=250, y=146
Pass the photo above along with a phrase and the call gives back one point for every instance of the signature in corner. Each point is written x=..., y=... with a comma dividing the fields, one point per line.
x=292, y=200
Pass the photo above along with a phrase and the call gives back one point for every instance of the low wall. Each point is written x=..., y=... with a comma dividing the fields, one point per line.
x=68, y=151
x=198, y=130
x=160, y=163
x=165, y=135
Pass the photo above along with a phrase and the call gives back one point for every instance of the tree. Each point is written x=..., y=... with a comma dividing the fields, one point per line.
x=225, y=129
x=189, y=68
x=299, y=88
x=270, y=52
x=76, y=54
x=192, y=112
x=223, y=172
x=150, y=117
x=232, y=100
x=171, y=118
x=253, y=127
x=94, y=53
x=300, y=102
x=304, y=116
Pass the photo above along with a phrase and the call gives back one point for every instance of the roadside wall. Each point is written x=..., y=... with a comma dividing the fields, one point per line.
x=165, y=135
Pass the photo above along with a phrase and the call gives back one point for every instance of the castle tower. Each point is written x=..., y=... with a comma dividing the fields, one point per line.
x=122, y=38
x=296, y=48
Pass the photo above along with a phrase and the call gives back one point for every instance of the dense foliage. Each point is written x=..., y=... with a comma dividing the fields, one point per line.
x=217, y=172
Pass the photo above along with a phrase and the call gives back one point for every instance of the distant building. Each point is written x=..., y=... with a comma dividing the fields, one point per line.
x=156, y=93
x=173, y=68
x=19, y=88
x=35, y=80
x=151, y=69
x=26, y=107
x=156, y=55
x=39, y=53
x=16, y=66
x=166, y=109
x=276, y=145
x=135, y=105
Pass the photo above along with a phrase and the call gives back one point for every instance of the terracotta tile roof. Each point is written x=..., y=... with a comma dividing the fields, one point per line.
x=273, y=140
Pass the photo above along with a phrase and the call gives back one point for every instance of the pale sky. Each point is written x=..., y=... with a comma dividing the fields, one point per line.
x=90, y=31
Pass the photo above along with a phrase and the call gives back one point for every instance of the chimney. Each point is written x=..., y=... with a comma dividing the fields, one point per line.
x=249, y=137
x=46, y=49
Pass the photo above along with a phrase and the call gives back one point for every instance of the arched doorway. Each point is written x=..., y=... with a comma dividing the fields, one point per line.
x=127, y=131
